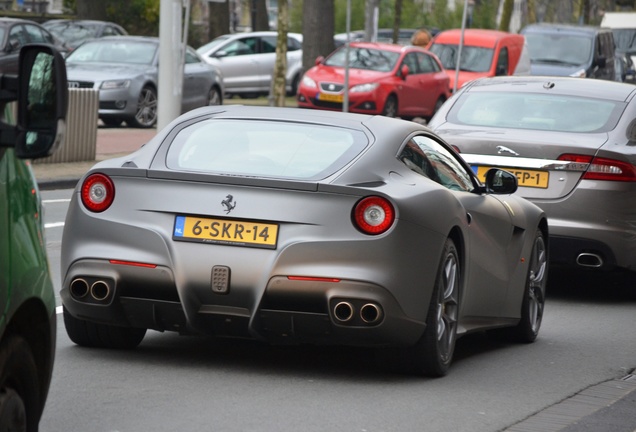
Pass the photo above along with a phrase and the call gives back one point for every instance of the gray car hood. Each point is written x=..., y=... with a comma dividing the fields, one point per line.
x=103, y=71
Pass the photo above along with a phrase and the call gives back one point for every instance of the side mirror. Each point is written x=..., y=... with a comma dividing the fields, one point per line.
x=319, y=60
x=404, y=71
x=500, y=182
x=42, y=101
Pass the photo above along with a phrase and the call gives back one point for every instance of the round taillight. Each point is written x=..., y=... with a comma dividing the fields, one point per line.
x=373, y=215
x=98, y=192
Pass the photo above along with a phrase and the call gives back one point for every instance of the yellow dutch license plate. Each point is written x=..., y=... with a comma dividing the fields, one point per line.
x=525, y=178
x=225, y=232
x=330, y=97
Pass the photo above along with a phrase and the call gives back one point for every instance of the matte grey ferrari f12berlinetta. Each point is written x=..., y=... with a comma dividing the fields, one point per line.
x=295, y=226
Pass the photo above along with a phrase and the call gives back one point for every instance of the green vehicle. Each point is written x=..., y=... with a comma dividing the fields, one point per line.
x=38, y=94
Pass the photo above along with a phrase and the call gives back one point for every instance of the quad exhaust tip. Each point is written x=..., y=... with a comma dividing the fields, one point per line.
x=80, y=288
x=346, y=312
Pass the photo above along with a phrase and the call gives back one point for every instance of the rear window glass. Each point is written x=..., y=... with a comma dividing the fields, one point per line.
x=264, y=148
x=537, y=112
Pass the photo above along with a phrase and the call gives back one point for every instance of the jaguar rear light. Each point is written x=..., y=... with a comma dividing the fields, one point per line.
x=603, y=168
x=98, y=192
x=373, y=215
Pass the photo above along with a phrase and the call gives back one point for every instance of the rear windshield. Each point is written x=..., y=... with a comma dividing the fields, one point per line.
x=537, y=111
x=364, y=58
x=264, y=149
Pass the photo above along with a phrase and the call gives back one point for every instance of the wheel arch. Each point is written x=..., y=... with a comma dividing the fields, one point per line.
x=33, y=322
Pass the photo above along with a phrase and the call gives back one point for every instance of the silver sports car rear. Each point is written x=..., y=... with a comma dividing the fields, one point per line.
x=293, y=226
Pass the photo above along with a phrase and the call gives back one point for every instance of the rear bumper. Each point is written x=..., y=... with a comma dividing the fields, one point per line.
x=288, y=311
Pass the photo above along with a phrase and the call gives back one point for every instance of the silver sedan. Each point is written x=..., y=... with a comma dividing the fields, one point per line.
x=125, y=71
x=292, y=226
x=571, y=143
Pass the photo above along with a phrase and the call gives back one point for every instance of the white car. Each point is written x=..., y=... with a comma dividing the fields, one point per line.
x=247, y=61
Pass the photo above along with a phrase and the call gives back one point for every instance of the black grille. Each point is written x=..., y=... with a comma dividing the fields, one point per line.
x=331, y=87
x=81, y=84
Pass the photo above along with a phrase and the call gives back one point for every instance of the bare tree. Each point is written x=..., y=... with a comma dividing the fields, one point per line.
x=218, y=19
x=397, y=21
x=371, y=7
x=280, y=68
x=318, y=30
x=506, y=15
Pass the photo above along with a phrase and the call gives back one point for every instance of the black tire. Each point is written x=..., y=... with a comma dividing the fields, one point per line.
x=89, y=334
x=146, y=115
x=112, y=121
x=214, y=97
x=533, y=304
x=438, y=105
x=20, y=404
x=390, y=106
x=294, y=85
x=433, y=353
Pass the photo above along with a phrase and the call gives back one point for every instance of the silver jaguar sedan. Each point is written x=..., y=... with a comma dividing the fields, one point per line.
x=125, y=71
x=291, y=226
x=572, y=144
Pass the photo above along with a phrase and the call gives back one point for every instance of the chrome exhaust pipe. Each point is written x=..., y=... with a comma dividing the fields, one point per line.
x=343, y=311
x=370, y=313
x=78, y=288
x=100, y=290
x=589, y=260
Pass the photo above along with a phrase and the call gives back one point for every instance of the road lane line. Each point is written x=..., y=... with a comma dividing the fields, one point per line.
x=53, y=201
x=54, y=225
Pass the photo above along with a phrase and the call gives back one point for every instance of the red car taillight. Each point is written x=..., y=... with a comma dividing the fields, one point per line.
x=98, y=192
x=373, y=215
x=603, y=168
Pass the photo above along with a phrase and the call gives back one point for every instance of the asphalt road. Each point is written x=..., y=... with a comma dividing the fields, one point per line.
x=176, y=383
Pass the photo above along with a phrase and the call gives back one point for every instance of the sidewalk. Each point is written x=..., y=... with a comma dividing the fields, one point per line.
x=111, y=142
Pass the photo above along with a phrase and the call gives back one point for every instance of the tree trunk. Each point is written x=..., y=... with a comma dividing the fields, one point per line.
x=371, y=8
x=218, y=19
x=397, y=22
x=506, y=15
x=532, y=12
x=318, y=30
x=92, y=9
x=259, y=15
x=280, y=68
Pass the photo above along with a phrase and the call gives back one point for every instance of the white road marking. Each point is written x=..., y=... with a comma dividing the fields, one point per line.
x=58, y=310
x=53, y=201
x=54, y=225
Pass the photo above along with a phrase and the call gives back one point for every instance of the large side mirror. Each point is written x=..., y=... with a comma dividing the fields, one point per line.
x=42, y=101
x=500, y=182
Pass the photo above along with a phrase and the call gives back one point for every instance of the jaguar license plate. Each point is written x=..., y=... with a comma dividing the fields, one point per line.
x=330, y=97
x=525, y=178
x=225, y=231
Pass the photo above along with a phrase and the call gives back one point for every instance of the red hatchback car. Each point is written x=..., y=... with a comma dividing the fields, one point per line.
x=387, y=79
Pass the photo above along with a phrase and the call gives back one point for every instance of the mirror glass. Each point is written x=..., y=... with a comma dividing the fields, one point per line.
x=41, y=102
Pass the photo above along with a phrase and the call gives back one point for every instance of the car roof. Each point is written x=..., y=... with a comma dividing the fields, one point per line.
x=131, y=38
x=379, y=45
x=478, y=37
x=583, y=87
x=564, y=28
x=298, y=36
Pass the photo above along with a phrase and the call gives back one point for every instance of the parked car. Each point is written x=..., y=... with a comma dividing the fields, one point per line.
x=125, y=71
x=570, y=50
x=287, y=226
x=387, y=79
x=624, y=67
x=247, y=61
x=74, y=32
x=571, y=144
x=28, y=321
x=483, y=53
x=15, y=33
